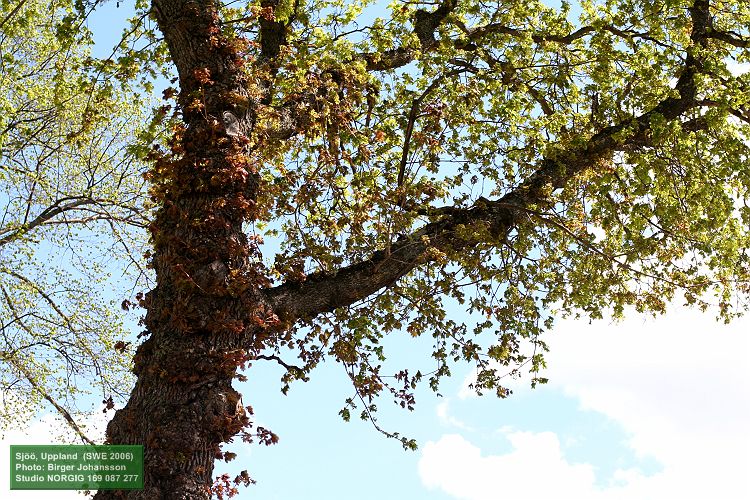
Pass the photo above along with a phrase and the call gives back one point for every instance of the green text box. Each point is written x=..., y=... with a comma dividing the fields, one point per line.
x=76, y=467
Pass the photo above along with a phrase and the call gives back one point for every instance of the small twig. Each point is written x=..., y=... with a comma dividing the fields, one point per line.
x=66, y=415
x=273, y=357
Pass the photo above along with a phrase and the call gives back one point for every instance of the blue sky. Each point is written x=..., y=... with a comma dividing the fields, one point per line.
x=645, y=408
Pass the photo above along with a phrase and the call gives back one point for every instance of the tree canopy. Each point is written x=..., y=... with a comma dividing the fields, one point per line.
x=72, y=196
x=522, y=160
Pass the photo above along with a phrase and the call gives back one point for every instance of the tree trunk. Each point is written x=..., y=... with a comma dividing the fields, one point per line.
x=205, y=312
x=181, y=423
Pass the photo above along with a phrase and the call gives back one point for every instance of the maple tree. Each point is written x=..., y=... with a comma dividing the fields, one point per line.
x=518, y=159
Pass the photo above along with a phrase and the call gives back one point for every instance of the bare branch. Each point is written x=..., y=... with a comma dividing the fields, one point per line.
x=47, y=214
x=287, y=366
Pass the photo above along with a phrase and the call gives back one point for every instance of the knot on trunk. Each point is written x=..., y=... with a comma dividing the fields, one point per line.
x=212, y=275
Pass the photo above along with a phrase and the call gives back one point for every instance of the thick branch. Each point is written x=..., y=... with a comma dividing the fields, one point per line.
x=324, y=292
x=401, y=56
x=731, y=38
x=272, y=32
x=425, y=25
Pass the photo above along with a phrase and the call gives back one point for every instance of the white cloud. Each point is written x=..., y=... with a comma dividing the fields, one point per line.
x=443, y=414
x=534, y=469
x=47, y=430
x=679, y=386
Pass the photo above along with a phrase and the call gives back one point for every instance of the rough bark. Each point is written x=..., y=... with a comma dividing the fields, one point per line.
x=200, y=315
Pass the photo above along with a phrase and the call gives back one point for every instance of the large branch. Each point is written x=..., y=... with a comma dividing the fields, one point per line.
x=730, y=37
x=324, y=292
x=425, y=26
x=401, y=56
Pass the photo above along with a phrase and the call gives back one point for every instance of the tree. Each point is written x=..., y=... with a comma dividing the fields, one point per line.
x=496, y=155
x=67, y=178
